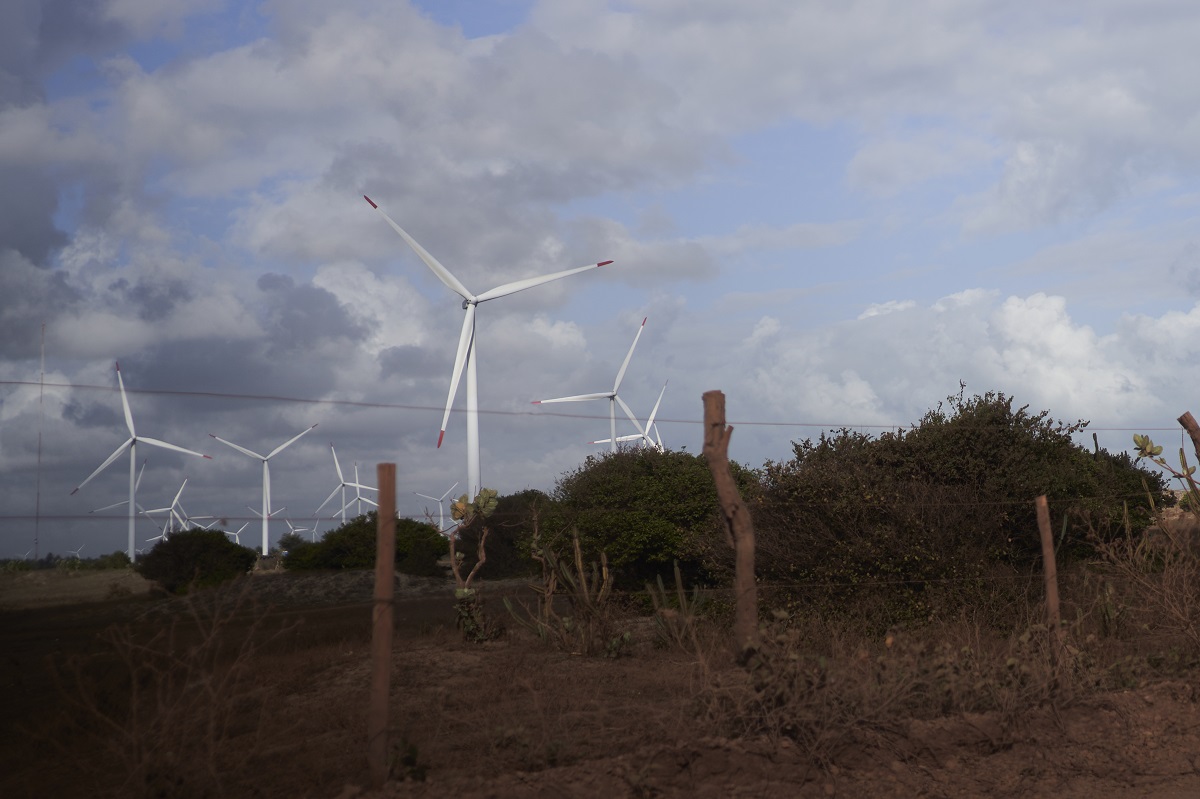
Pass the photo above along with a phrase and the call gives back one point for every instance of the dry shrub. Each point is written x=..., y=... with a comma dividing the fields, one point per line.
x=591, y=625
x=1159, y=575
x=177, y=712
x=849, y=693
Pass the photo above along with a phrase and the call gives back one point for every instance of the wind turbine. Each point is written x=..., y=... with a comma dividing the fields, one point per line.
x=466, y=356
x=644, y=436
x=358, y=497
x=176, y=513
x=266, y=471
x=441, y=510
x=76, y=552
x=131, y=444
x=237, y=537
x=342, y=485
x=611, y=396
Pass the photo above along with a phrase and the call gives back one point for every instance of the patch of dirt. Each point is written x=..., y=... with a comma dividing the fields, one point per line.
x=44, y=588
x=514, y=719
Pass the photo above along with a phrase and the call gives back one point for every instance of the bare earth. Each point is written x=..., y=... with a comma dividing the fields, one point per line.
x=513, y=719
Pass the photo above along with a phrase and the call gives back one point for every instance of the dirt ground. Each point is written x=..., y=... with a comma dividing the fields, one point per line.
x=509, y=718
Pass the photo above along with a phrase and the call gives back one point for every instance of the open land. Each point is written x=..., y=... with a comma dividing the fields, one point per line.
x=271, y=701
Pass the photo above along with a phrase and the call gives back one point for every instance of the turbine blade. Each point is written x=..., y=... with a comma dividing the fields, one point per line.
x=576, y=398
x=137, y=483
x=337, y=465
x=448, y=492
x=460, y=361
x=653, y=413
x=530, y=282
x=629, y=414
x=289, y=442
x=101, y=467
x=125, y=404
x=434, y=264
x=242, y=450
x=326, y=502
x=625, y=365
x=424, y=496
x=165, y=445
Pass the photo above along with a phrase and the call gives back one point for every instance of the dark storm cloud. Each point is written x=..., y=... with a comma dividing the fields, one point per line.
x=157, y=299
x=37, y=37
x=96, y=411
x=409, y=361
x=302, y=317
x=27, y=209
x=29, y=296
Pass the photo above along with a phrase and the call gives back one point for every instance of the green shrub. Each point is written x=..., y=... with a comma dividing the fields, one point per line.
x=352, y=546
x=511, y=529
x=645, y=509
x=197, y=558
x=935, y=510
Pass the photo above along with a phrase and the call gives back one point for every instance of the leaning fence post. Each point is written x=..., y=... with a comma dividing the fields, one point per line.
x=739, y=530
x=1050, y=575
x=382, y=625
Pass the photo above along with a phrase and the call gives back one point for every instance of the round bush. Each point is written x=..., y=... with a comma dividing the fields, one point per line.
x=198, y=558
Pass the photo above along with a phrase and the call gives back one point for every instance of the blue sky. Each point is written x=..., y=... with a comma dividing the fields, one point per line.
x=834, y=212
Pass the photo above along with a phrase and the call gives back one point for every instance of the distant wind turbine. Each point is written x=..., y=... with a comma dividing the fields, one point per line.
x=613, y=399
x=441, y=509
x=466, y=356
x=237, y=537
x=266, y=477
x=131, y=444
x=342, y=485
x=644, y=436
x=76, y=552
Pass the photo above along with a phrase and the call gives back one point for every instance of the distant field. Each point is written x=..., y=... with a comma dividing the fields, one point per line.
x=49, y=587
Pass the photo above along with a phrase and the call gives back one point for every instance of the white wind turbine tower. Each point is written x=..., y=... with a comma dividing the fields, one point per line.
x=441, y=509
x=611, y=396
x=644, y=436
x=131, y=444
x=266, y=472
x=466, y=356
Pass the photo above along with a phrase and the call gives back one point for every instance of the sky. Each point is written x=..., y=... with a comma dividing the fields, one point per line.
x=834, y=212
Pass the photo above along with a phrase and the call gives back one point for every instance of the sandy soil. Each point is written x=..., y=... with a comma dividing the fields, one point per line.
x=50, y=587
x=513, y=719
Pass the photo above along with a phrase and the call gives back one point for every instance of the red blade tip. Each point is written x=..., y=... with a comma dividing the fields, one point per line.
x=644, y=318
x=536, y=402
x=604, y=263
x=372, y=202
x=441, y=435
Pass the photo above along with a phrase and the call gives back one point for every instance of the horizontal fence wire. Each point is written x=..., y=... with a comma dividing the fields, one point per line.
x=222, y=395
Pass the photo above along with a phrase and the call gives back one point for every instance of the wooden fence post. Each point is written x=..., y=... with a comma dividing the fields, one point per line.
x=1050, y=575
x=739, y=529
x=382, y=624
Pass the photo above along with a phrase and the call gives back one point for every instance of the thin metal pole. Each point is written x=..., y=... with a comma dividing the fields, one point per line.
x=382, y=625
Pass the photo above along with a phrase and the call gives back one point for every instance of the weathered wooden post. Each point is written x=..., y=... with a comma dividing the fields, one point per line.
x=382, y=624
x=739, y=529
x=1050, y=575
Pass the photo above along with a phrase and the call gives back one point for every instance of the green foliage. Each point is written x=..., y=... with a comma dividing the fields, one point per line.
x=512, y=527
x=940, y=503
x=352, y=546
x=645, y=509
x=197, y=558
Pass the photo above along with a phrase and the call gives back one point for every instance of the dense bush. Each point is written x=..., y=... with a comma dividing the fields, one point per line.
x=352, y=546
x=944, y=502
x=511, y=529
x=645, y=509
x=197, y=558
